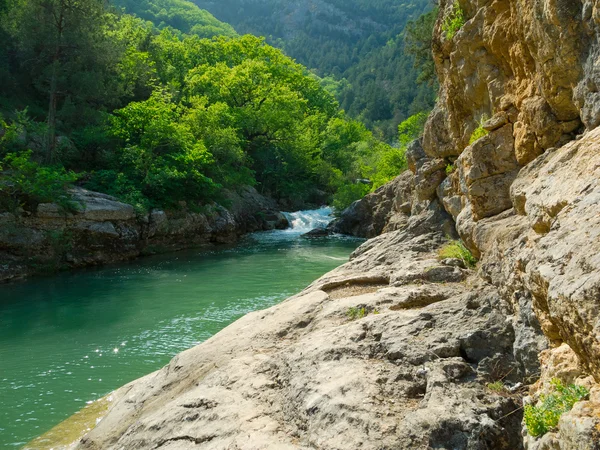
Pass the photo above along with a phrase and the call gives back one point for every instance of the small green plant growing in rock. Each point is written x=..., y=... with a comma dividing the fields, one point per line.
x=454, y=21
x=497, y=386
x=457, y=250
x=543, y=418
x=479, y=132
x=356, y=313
x=450, y=169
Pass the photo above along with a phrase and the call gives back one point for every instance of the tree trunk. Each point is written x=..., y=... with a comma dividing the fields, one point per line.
x=60, y=24
x=51, y=144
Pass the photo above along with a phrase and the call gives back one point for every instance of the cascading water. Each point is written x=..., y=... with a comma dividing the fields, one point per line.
x=305, y=221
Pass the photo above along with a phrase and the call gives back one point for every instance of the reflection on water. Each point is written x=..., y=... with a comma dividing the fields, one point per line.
x=72, y=338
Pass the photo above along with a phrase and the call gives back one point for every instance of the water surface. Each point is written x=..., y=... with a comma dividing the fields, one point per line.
x=72, y=338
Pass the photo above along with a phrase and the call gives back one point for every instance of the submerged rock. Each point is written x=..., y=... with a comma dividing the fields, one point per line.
x=317, y=233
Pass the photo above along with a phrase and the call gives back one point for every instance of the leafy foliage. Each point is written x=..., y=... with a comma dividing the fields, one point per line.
x=169, y=118
x=356, y=46
x=543, y=418
x=457, y=250
x=180, y=15
x=418, y=41
x=454, y=21
x=348, y=194
x=412, y=128
x=24, y=183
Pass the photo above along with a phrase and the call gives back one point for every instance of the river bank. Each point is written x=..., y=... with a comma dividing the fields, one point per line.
x=103, y=230
x=58, y=347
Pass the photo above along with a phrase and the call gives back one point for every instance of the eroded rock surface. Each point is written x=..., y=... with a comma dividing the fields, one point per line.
x=386, y=209
x=411, y=373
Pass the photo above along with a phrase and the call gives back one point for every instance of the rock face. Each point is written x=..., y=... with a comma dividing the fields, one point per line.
x=395, y=349
x=386, y=209
x=104, y=230
x=411, y=373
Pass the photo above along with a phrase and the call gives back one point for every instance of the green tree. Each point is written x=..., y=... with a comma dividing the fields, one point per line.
x=418, y=38
x=63, y=45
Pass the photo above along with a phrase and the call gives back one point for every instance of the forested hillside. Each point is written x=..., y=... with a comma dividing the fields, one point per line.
x=180, y=15
x=157, y=115
x=356, y=45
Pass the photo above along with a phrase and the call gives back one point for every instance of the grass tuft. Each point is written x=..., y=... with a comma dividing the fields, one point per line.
x=479, y=132
x=356, y=313
x=457, y=250
x=497, y=386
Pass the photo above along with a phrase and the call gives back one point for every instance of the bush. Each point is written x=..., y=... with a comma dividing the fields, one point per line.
x=412, y=128
x=541, y=419
x=118, y=185
x=25, y=183
x=391, y=163
x=457, y=250
x=454, y=21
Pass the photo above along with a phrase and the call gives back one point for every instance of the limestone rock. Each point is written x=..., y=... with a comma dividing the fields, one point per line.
x=103, y=230
x=102, y=207
x=387, y=209
x=303, y=375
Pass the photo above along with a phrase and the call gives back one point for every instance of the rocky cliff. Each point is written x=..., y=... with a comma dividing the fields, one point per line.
x=397, y=349
x=103, y=230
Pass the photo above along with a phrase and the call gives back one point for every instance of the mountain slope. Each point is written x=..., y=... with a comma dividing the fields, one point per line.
x=358, y=42
x=179, y=14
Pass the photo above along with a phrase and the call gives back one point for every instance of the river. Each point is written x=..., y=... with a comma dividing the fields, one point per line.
x=71, y=338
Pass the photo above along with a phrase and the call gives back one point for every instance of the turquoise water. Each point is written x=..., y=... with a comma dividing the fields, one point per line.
x=72, y=338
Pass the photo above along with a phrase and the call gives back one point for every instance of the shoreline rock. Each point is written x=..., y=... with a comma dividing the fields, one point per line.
x=105, y=230
x=410, y=373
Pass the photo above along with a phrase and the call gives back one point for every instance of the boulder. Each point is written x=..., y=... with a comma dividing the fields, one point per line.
x=101, y=207
x=386, y=209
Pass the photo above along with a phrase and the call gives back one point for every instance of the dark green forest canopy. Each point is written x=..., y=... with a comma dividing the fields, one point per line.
x=157, y=115
x=356, y=45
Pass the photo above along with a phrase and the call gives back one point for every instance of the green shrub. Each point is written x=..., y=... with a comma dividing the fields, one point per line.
x=541, y=419
x=450, y=169
x=24, y=183
x=412, y=128
x=356, y=313
x=390, y=164
x=454, y=21
x=457, y=250
x=117, y=184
